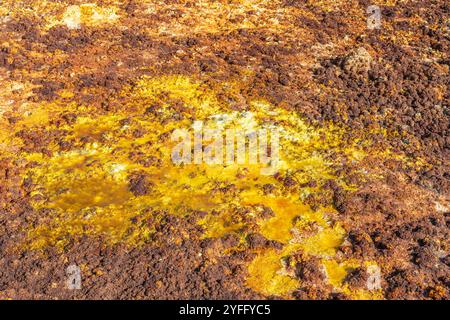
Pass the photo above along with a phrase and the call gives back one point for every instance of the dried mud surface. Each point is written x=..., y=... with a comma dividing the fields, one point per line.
x=90, y=94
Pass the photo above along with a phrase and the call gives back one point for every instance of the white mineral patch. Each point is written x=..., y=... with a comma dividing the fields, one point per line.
x=89, y=14
x=72, y=17
x=441, y=207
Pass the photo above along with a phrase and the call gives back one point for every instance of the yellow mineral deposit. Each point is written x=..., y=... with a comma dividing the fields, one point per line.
x=87, y=191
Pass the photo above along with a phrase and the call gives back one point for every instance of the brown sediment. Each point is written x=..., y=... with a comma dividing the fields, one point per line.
x=91, y=94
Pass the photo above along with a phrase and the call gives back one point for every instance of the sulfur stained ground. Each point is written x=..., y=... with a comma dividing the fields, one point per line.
x=92, y=92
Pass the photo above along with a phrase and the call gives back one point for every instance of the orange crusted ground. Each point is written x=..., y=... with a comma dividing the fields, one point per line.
x=357, y=207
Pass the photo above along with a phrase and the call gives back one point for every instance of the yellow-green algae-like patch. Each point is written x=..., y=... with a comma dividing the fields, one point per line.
x=336, y=273
x=265, y=276
x=85, y=191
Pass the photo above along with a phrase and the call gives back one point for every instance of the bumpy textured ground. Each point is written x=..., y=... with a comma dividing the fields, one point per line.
x=91, y=92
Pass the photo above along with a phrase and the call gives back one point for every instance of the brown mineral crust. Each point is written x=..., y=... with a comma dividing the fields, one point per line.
x=357, y=278
x=401, y=285
x=139, y=184
x=168, y=271
x=310, y=271
x=401, y=238
x=403, y=91
x=317, y=293
x=258, y=241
